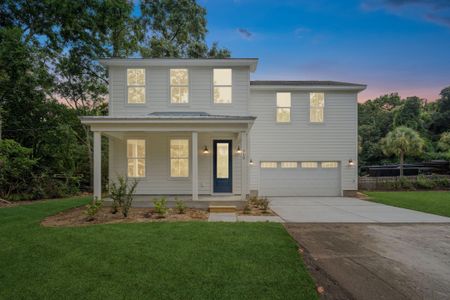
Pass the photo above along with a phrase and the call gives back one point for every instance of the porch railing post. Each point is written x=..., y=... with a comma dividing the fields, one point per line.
x=194, y=166
x=97, y=165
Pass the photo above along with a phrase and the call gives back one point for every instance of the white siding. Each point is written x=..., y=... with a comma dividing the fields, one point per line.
x=157, y=180
x=300, y=140
x=158, y=92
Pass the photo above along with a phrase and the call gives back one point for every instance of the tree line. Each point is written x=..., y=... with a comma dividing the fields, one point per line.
x=49, y=76
x=392, y=129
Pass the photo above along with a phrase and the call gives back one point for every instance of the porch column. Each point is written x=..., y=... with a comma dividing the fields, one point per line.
x=194, y=166
x=97, y=165
x=244, y=166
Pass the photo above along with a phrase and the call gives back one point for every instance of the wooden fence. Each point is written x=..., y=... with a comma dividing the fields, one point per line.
x=390, y=183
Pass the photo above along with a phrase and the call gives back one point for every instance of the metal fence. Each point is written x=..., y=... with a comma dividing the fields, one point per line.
x=390, y=183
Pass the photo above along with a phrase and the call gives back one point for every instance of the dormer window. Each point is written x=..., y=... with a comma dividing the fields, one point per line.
x=222, y=85
x=179, y=86
x=136, y=86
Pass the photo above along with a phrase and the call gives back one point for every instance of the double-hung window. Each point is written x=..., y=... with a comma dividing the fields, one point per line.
x=222, y=85
x=136, y=158
x=136, y=86
x=179, y=158
x=283, y=107
x=179, y=86
x=316, y=105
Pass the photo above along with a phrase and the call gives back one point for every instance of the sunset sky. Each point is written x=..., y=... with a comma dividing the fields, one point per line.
x=391, y=45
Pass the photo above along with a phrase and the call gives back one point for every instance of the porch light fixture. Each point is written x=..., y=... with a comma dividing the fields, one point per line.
x=238, y=150
x=205, y=150
x=351, y=163
x=250, y=162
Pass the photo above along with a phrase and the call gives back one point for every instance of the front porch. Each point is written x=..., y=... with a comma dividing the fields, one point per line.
x=207, y=175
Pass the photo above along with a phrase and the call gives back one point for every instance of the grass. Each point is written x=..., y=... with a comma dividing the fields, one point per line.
x=430, y=202
x=186, y=260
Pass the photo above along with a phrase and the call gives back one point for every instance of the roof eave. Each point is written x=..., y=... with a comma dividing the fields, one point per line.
x=355, y=88
x=177, y=62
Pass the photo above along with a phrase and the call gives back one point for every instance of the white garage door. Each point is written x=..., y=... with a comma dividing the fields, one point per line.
x=315, y=179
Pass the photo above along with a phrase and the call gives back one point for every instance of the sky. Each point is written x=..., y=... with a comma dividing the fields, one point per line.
x=391, y=45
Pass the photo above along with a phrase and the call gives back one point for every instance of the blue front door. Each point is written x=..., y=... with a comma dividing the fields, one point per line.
x=222, y=166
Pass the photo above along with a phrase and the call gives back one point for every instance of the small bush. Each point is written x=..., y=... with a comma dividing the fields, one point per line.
x=442, y=182
x=405, y=184
x=247, y=207
x=180, y=206
x=264, y=204
x=160, y=207
x=122, y=195
x=425, y=183
x=93, y=208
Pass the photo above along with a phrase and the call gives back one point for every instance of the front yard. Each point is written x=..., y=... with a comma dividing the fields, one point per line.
x=430, y=202
x=181, y=260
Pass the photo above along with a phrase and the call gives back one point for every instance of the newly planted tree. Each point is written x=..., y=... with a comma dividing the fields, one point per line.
x=401, y=142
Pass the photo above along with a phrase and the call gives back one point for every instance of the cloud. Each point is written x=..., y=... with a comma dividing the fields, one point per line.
x=245, y=33
x=301, y=31
x=435, y=11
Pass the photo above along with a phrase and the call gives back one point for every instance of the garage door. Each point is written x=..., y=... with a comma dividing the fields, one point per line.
x=300, y=179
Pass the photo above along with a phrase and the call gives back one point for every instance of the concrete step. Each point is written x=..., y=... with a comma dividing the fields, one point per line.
x=222, y=208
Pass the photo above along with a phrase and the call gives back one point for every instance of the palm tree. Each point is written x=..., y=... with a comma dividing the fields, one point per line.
x=402, y=141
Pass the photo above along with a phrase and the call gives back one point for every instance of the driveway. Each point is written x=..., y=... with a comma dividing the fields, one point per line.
x=377, y=261
x=345, y=210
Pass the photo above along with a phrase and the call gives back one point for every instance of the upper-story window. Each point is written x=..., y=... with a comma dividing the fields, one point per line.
x=136, y=86
x=316, y=105
x=179, y=86
x=283, y=107
x=222, y=85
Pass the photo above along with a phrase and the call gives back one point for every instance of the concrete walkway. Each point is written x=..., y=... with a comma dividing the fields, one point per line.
x=345, y=210
x=233, y=217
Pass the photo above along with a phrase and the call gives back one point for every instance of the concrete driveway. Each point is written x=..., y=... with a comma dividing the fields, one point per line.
x=345, y=210
x=377, y=261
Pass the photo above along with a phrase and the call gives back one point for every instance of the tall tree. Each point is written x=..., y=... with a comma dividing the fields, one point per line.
x=441, y=119
x=402, y=141
x=175, y=28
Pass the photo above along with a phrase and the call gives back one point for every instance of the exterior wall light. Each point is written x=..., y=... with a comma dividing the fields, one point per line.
x=205, y=150
x=250, y=162
x=238, y=150
x=351, y=163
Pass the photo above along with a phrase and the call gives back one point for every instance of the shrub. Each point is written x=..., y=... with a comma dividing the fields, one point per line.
x=247, y=207
x=425, y=183
x=160, y=207
x=16, y=165
x=180, y=206
x=442, y=182
x=264, y=204
x=405, y=184
x=93, y=208
x=122, y=195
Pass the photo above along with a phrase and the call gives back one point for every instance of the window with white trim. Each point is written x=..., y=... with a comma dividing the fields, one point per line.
x=136, y=86
x=283, y=107
x=328, y=165
x=269, y=164
x=222, y=79
x=309, y=164
x=289, y=164
x=136, y=158
x=316, y=106
x=179, y=86
x=179, y=158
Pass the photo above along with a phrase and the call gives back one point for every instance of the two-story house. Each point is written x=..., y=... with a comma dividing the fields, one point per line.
x=202, y=128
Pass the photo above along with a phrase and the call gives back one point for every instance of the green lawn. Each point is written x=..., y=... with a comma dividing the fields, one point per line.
x=191, y=260
x=431, y=202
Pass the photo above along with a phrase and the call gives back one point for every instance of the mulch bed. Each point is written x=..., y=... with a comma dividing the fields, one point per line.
x=256, y=211
x=77, y=217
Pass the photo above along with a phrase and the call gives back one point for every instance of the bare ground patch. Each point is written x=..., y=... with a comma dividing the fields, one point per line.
x=77, y=217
